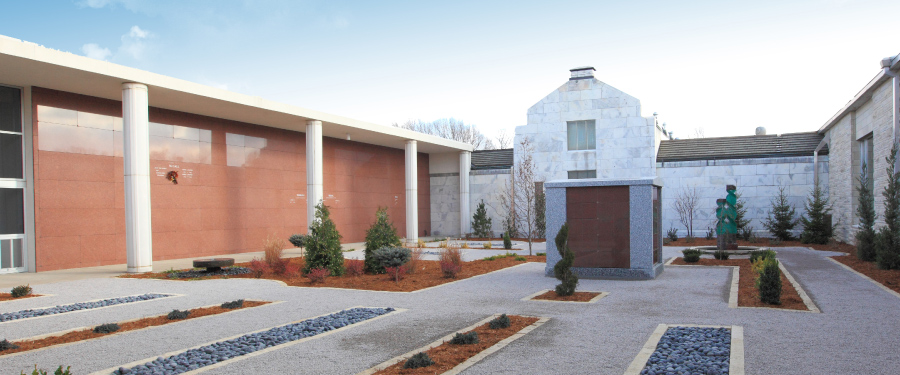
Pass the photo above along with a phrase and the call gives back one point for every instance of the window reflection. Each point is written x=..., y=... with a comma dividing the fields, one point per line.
x=64, y=130
x=243, y=150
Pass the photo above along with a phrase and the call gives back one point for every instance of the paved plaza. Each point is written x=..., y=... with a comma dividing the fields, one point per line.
x=856, y=333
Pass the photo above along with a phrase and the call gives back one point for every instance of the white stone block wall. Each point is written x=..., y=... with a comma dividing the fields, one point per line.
x=872, y=117
x=758, y=181
x=488, y=185
x=483, y=184
x=444, y=204
x=625, y=141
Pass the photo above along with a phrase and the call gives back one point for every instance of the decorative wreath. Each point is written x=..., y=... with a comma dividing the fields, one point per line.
x=172, y=176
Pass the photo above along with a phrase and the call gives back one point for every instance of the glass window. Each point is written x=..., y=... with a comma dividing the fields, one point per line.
x=581, y=135
x=577, y=175
x=11, y=156
x=867, y=160
x=12, y=211
x=10, y=110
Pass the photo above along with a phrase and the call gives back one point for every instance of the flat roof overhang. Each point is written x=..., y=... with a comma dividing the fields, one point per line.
x=28, y=64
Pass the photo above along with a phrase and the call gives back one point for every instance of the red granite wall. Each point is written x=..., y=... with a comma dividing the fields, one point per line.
x=238, y=183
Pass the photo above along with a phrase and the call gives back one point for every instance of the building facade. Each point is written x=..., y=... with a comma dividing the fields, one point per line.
x=103, y=164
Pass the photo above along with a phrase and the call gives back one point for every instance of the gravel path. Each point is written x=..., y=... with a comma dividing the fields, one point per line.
x=857, y=331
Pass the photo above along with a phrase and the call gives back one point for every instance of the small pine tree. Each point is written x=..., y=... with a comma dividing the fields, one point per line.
x=815, y=228
x=740, y=215
x=481, y=223
x=507, y=242
x=381, y=234
x=781, y=219
x=323, y=244
x=563, y=269
x=769, y=281
x=865, y=237
x=887, y=241
x=540, y=216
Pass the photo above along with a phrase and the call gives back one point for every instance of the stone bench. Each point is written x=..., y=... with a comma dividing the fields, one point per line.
x=214, y=264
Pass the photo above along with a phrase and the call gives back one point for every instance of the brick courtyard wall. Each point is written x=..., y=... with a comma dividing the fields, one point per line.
x=238, y=183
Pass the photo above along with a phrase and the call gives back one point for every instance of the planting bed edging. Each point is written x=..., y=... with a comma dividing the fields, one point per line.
x=28, y=297
x=735, y=281
x=593, y=300
x=387, y=312
x=735, y=360
x=472, y=360
x=880, y=285
x=60, y=333
x=88, y=305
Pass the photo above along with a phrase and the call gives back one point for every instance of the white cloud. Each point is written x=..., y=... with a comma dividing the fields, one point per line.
x=133, y=43
x=94, y=51
x=95, y=3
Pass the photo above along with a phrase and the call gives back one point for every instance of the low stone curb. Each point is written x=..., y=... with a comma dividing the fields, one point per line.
x=735, y=283
x=119, y=333
x=469, y=362
x=592, y=300
x=111, y=370
x=880, y=285
x=735, y=361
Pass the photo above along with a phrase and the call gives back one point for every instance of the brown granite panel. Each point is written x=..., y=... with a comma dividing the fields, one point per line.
x=227, y=202
x=599, y=233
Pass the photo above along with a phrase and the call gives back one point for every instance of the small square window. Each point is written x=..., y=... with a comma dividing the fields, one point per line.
x=581, y=135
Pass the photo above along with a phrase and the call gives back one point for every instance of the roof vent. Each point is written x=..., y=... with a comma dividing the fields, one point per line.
x=584, y=72
x=760, y=131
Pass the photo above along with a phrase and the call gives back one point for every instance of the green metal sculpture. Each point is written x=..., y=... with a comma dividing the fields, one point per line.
x=726, y=226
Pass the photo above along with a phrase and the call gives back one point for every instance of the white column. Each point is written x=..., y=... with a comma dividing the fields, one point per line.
x=412, y=192
x=136, y=126
x=465, y=164
x=314, y=191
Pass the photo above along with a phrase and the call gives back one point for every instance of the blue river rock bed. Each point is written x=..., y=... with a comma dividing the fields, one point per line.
x=230, y=271
x=691, y=350
x=5, y=317
x=225, y=350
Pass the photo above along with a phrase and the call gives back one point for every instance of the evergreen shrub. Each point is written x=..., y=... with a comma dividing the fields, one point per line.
x=381, y=234
x=323, y=245
x=419, y=360
x=563, y=268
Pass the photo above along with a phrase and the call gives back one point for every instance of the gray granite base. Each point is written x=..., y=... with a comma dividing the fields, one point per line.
x=614, y=273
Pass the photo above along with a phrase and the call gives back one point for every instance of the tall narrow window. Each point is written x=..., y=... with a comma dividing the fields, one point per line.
x=12, y=182
x=867, y=158
x=581, y=135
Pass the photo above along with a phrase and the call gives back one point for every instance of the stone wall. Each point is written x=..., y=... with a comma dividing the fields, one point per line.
x=758, y=181
x=625, y=141
x=483, y=184
x=487, y=185
x=444, y=204
x=872, y=117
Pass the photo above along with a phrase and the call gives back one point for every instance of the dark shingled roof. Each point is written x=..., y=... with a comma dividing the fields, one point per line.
x=492, y=159
x=744, y=147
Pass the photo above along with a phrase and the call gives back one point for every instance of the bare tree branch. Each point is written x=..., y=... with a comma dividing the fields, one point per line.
x=523, y=179
x=450, y=128
x=686, y=204
x=504, y=140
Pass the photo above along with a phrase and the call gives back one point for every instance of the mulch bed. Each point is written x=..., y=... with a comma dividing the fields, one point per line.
x=9, y=297
x=536, y=240
x=428, y=274
x=748, y=295
x=87, y=334
x=447, y=356
x=577, y=297
x=888, y=278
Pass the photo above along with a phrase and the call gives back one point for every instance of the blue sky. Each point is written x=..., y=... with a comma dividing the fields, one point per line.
x=723, y=66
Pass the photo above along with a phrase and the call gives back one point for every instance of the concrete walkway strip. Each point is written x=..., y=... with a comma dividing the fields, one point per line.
x=111, y=370
x=592, y=300
x=471, y=361
x=880, y=285
x=166, y=295
x=736, y=355
x=60, y=333
x=735, y=284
